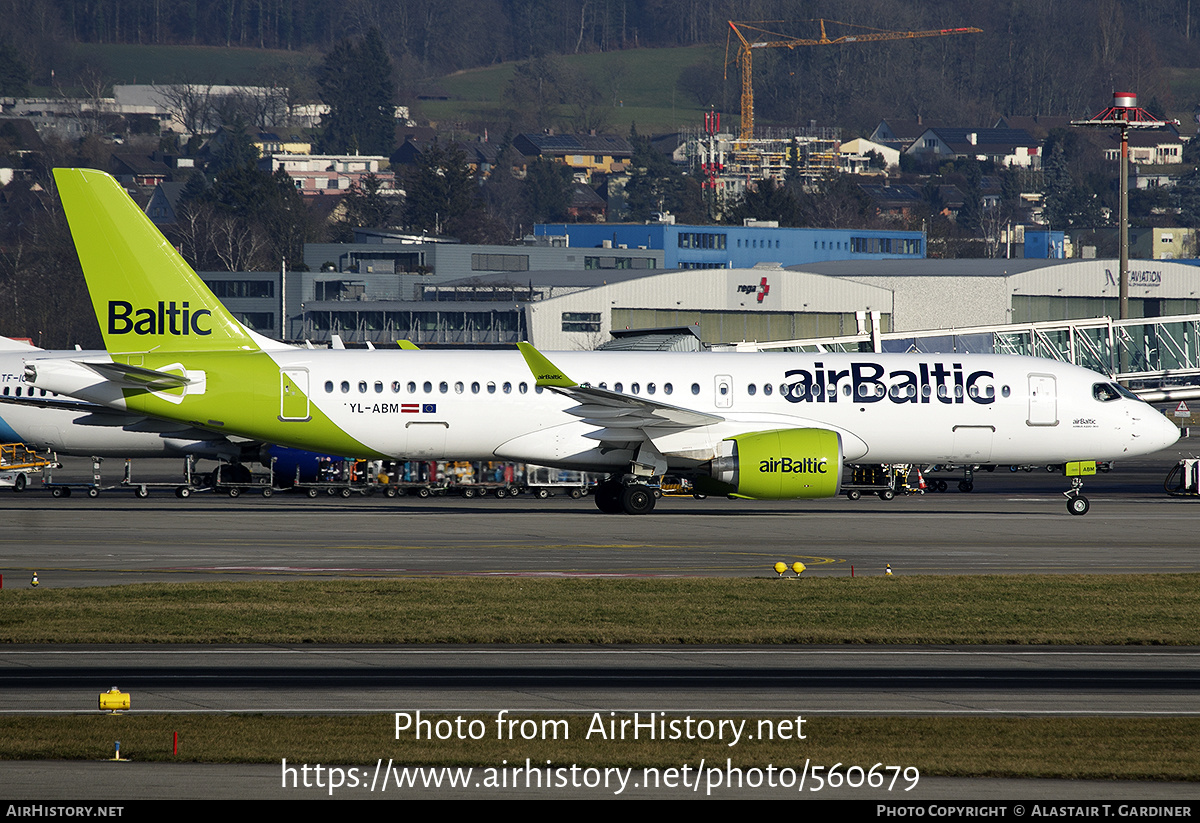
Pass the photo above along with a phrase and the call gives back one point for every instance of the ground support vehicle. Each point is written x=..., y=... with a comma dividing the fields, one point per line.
x=543, y=482
x=884, y=480
x=19, y=464
x=470, y=490
x=234, y=480
x=342, y=478
x=142, y=488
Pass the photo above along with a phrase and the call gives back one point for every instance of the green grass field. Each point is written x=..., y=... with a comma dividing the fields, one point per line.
x=639, y=83
x=998, y=609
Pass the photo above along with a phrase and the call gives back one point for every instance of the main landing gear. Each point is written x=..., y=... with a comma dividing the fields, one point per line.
x=615, y=497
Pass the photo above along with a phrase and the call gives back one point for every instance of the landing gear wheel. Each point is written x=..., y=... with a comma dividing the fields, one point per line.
x=608, y=497
x=854, y=494
x=637, y=500
x=182, y=492
x=942, y=485
x=142, y=492
x=887, y=494
x=93, y=492
x=1078, y=505
x=965, y=486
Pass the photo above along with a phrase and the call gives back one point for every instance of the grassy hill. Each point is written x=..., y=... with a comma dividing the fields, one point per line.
x=640, y=84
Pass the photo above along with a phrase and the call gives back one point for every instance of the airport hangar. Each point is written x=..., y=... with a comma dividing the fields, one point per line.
x=829, y=299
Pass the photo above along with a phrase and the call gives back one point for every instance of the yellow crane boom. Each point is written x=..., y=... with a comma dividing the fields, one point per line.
x=767, y=39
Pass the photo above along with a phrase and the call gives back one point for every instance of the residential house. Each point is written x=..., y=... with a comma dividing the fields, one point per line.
x=584, y=153
x=1004, y=147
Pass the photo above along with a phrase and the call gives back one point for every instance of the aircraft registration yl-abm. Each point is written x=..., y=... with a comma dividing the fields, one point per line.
x=770, y=425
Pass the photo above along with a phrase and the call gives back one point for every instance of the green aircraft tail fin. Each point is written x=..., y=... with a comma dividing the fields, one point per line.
x=145, y=294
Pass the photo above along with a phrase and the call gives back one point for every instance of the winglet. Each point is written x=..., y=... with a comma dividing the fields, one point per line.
x=407, y=345
x=547, y=374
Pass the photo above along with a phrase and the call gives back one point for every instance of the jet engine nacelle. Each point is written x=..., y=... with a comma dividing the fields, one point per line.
x=782, y=464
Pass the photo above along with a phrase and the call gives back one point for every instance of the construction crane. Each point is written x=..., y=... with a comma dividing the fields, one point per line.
x=767, y=39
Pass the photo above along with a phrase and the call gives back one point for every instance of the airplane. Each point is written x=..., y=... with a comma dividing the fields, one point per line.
x=47, y=421
x=767, y=426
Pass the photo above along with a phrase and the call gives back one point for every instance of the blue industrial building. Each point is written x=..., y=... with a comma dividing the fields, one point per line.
x=741, y=247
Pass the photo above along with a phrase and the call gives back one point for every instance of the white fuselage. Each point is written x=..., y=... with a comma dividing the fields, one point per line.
x=887, y=408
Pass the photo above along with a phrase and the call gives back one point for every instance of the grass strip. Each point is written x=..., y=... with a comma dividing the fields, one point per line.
x=1080, y=748
x=1151, y=609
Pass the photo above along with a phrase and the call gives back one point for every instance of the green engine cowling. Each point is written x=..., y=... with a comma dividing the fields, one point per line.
x=782, y=464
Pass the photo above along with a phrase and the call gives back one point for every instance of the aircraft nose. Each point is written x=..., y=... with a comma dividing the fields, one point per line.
x=1167, y=432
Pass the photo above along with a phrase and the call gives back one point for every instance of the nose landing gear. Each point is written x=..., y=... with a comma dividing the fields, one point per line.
x=1076, y=503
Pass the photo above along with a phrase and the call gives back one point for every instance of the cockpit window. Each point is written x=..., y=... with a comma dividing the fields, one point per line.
x=1107, y=392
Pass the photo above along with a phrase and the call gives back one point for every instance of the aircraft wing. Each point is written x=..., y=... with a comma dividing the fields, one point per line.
x=619, y=418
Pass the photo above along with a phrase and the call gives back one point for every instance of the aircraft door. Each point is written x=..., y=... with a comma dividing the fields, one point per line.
x=1043, y=400
x=723, y=391
x=426, y=440
x=293, y=395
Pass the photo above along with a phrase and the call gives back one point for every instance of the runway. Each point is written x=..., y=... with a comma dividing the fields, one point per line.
x=893, y=681
x=1010, y=524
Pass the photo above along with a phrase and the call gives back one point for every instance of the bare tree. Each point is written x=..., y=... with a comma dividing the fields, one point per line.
x=190, y=105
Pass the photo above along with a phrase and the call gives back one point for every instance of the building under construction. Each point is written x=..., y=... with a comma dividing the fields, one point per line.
x=728, y=164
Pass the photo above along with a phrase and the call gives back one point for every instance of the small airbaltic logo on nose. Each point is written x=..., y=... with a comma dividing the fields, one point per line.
x=123, y=318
